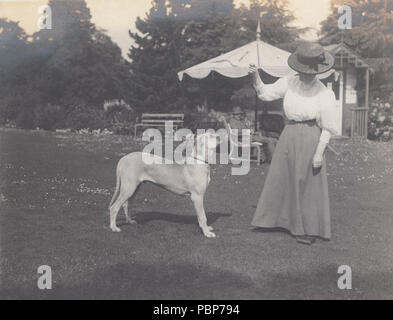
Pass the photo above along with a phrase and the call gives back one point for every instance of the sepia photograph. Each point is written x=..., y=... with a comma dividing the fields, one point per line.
x=196, y=154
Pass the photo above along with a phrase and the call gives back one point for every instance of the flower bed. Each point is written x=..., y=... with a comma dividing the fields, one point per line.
x=380, y=121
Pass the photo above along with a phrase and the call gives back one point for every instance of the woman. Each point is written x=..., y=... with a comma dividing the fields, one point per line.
x=295, y=194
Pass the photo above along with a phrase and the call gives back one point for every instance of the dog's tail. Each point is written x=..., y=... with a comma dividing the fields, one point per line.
x=117, y=188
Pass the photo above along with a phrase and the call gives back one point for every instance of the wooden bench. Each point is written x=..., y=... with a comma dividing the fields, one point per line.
x=157, y=120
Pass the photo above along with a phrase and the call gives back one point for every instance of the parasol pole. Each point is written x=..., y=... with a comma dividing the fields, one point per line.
x=258, y=40
x=258, y=65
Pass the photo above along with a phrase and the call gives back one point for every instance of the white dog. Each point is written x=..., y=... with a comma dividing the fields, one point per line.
x=190, y=178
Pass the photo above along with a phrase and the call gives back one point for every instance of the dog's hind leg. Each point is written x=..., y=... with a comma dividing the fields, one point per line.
x=127, y=190
x=197, y=199
x=125, y=209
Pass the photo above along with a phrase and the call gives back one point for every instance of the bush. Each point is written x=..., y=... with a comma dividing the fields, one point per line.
x=117, y=119
x=49, y=117
x=25, y=120
x=380, y=121
x=84, y=117
x=120, y=119
x=123, y=128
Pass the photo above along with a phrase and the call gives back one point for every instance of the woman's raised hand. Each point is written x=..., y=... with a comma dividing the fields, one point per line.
x=252, y=69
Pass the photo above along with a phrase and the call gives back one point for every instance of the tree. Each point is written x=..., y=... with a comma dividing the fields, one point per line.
x=372, y=27
x=83, y=65
x=13, y=40
x=14, y=50
x=371, y=36
x=155, y=58
x=60, y=73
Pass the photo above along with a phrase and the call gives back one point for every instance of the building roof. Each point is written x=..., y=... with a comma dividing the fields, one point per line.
x=341, y=51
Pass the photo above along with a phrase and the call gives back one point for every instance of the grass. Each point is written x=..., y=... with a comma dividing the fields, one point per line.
x=55, y=188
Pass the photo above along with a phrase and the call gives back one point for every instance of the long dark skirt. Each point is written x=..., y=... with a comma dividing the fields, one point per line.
x=294, y=197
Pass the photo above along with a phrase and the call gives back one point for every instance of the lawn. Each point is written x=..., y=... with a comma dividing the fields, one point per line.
x=55, y=190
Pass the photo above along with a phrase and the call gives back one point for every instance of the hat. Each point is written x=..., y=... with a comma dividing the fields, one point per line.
x=237, y=110
x=311, y=58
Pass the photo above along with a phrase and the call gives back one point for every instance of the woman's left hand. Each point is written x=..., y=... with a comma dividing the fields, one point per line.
x=317, y=161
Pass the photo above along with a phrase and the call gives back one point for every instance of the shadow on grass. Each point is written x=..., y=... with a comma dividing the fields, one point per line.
x=145, y=217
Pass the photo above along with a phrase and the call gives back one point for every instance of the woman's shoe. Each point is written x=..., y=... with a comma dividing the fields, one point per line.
x=308, y=240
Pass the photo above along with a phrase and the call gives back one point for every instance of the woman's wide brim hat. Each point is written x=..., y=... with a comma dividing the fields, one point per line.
x=311, y=58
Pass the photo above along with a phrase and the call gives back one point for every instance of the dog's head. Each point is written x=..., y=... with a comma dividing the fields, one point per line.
x=204, y=144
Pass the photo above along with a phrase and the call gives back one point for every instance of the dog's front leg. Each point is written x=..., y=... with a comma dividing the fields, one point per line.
x=197, y=199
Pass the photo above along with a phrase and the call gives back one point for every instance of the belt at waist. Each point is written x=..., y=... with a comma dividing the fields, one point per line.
x=311, y=122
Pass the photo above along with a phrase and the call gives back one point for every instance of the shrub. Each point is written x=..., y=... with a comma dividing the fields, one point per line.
x=25, y=120
x=85, y=117
x=120, y=119
x=124, y=128
x=49, y=117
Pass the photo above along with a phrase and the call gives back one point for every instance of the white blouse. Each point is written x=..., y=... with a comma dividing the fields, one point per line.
x=304, y=102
